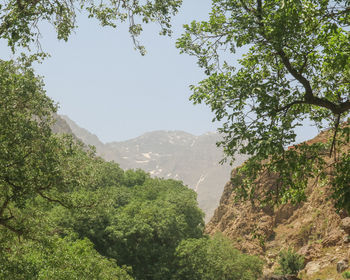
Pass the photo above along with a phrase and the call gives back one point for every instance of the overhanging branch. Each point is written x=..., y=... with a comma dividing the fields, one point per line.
x=309, y=97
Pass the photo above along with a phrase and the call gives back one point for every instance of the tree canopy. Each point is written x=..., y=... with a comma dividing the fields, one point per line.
x=20, y=19
x=140, y=225
x=296, y=68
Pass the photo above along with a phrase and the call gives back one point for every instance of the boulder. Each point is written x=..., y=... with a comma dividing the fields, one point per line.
x=332, y=239
x=342, y=266
x=310, y=251
x=312, y=267
x=345, y=225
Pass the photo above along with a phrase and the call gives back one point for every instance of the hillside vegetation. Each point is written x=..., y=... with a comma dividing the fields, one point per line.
x=313, y=228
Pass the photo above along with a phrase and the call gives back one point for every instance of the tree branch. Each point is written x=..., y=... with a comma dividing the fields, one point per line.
x=11, y=228
x=259, y=9
x=4, y=205
x=288, y=106
x=52, y=199
x=309, y=96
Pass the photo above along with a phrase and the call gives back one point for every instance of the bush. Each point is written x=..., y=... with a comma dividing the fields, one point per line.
x=346, y=274
x=214, y=258
x=290, y=262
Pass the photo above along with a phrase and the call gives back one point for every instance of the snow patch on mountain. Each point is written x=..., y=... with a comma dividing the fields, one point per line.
x=142, y=161
x=201, y=179
x=147, y=155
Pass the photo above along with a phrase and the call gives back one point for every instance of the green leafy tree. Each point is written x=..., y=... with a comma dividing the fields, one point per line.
x=58, y=258
x=135, y=178
x=214, y=258
x=141, y=225
x=42, y=173
x=20, y=19
x=28, y=151
x=295, y=67
x=38, y=166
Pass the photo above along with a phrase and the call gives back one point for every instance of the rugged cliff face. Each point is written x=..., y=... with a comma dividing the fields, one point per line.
x=313, y=228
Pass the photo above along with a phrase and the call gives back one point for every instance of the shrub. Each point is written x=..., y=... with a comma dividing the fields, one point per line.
x=290, y=262
x=214, y=258
x=346, y=274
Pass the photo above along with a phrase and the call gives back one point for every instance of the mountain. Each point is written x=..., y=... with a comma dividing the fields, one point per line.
x=313, y=228
x=61, y=126
x=87, y=137
x=171, y=154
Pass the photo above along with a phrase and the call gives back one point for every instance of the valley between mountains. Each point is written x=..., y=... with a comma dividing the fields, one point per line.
x=179, y=155
x=314, y=228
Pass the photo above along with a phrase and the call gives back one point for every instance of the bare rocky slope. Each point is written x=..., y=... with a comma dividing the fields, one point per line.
x=314, y=229
x=170, y=154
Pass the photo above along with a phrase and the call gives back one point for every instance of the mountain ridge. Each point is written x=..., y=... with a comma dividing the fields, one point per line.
x=172, y=155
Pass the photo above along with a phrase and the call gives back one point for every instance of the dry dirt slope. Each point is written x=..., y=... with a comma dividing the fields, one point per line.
x=313, y=228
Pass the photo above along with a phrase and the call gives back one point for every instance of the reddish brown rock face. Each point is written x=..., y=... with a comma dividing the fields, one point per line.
x=313, y=228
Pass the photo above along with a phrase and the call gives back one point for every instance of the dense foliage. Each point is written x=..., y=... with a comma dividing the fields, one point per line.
x=141, y=225
x=59, y=259
x=32, y=159
x=295, y=68
x=215, y=258
x=67, y=214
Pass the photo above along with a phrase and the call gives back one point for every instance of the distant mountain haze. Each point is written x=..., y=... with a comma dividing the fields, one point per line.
x=172, y=155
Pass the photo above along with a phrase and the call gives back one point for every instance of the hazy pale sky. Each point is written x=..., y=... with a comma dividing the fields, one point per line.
x=107, y=87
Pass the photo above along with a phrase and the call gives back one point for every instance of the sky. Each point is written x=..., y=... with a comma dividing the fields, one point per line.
x=103, y=84
x=107, y=87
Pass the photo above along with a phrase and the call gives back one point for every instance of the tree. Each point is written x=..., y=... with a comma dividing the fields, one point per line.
x=296, y=68
x=39, y=172
x=37, y=164
x=139, y=225
x=20, y=19
x=52, y=187
x=59, y=258
x=27, y=155
x=214, y=258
